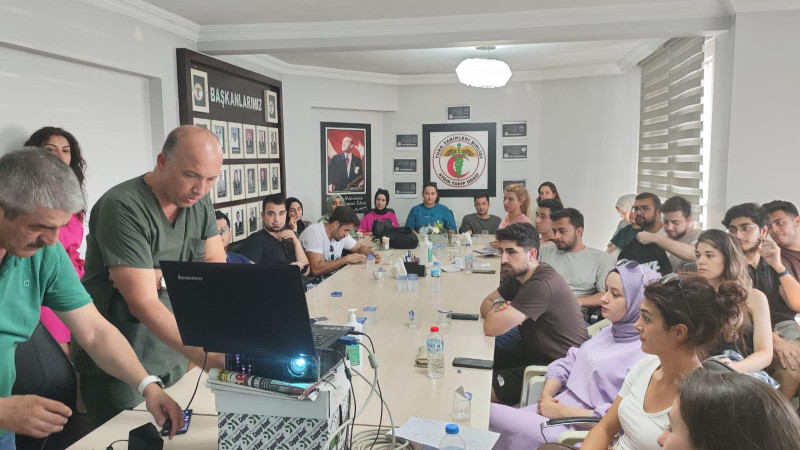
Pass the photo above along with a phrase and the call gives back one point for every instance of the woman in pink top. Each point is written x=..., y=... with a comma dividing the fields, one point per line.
x=517, y=203
x=379, y=213
x=64, y=145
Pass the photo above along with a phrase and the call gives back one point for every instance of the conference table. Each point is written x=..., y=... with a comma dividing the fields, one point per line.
x=406, y=388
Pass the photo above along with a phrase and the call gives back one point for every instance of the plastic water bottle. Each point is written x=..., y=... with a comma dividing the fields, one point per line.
x=354, y=351
x=370, y=264
x=468, y=259
x=435, y=354
x=452, y=440
x=436, y=277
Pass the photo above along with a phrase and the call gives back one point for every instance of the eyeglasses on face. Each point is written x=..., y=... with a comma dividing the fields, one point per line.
x=223, y=230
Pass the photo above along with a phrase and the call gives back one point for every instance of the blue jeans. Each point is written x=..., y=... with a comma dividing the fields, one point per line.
x=510, y=338
x=8, y=442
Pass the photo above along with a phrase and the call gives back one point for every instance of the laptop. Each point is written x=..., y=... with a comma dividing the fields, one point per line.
x=257, y=315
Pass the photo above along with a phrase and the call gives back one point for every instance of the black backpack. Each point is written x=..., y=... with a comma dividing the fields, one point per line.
x=402, y=238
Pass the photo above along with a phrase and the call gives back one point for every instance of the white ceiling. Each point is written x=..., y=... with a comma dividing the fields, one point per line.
x=417, y=38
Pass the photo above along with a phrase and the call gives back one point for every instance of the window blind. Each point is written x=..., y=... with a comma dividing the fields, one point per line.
x=670, y=126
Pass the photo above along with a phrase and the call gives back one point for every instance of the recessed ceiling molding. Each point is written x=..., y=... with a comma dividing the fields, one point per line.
x=285, y=68
x=740, y=6
x=637, y=54
x=152, y=15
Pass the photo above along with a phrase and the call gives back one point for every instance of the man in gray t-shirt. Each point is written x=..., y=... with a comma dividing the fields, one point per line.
x=677, y=237
x=481, y=220
x=584, y=268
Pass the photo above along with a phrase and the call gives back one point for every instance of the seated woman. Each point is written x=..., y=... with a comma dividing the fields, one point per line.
x=623, y=206
x=729, y=411
x=719, y=259
x=548, y=190
x=517, y=203
x=296, y=223
x=379, y=213
x=586, y=381
x=334, y=201
x=680, y=315
x=430, y=211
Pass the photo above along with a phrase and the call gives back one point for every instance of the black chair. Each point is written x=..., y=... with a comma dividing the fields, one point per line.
x=43, y=369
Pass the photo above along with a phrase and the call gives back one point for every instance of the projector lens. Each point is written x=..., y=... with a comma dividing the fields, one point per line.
x=298, y=366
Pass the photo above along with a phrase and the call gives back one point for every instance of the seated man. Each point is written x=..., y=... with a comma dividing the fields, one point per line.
x=647, y=214
x=325, y=241
x=584, y=268
x=677, y=237
x=535, y=297
x=481, y=220
x=275, y=244
x=224, y=225
x=543, y=222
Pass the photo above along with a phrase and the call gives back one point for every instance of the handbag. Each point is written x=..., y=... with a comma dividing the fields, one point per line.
x=381, y=227
x=402, y=238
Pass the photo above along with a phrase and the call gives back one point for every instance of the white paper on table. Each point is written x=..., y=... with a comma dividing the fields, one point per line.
x=430, y=432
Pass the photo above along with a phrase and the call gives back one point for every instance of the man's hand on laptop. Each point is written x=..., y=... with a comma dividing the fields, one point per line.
x=355, y=258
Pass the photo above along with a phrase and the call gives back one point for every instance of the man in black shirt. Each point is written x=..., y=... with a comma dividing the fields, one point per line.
x=275, y=244
x=647, y=214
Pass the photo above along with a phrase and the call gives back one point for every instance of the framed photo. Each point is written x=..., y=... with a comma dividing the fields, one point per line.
x=507, y=183
x=237, y=182
x=275, y=178
x=251, y=181
x=271, y=109
x=261, y=141
x=249, y=132
x=460, y=158
x=199, y=80
x=220, y=130
x=515, y=129
x=345, y=151
x=237, y=222
x=515, y=152
x=252, y=217
x=222, y=188
x=406, y=141
x=274, y=143
x=405, y=189
x=405, y=165
x=458, y=114
x=200, y=122
x=235, y=140
x=263, y=179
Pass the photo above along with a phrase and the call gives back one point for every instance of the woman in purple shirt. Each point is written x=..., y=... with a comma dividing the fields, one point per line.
x=587, y=380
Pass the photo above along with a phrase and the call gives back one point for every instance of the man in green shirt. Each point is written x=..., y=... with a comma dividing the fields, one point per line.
x=38, y=195
x=165, y=214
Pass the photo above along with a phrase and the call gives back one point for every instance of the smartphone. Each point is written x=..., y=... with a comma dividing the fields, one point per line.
x=487, y=271
x=320, y=319
x=473, y=363
x=187, y=417
x=463, y=316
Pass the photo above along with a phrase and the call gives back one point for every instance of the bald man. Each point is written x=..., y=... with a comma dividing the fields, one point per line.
x=164, y=214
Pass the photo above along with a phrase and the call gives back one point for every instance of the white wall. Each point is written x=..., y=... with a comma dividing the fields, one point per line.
x=589, y=146
x=420, y=105
x=764, y=155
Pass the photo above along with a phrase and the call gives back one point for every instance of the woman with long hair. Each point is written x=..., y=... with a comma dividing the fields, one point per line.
x=548, y=190
x=730, y=411
x=586, y=381
x=381, y=212
x=430, y=211
x=680, y=315
x=63, y=145
x=294, y=209
x=720, y=259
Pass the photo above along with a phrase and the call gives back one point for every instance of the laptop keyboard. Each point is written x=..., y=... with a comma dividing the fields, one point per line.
x=320, y=339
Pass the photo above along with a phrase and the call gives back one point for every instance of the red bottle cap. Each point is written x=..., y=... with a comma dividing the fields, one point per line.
x=435, y=329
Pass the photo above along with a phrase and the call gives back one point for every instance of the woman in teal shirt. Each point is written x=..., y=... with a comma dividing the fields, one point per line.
x=430, y=211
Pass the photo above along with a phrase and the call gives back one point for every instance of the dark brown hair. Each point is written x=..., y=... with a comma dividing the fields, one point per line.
x=77, y=163
x=704, y=312
x=734, y=411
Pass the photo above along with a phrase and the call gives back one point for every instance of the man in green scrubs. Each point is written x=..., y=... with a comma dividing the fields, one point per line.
x=164, y=214
x=38, y=195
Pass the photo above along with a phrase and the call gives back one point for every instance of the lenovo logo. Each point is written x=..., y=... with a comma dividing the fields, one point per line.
x=189, y=278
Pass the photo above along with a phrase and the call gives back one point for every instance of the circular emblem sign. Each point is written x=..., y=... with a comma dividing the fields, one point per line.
x=459, y=160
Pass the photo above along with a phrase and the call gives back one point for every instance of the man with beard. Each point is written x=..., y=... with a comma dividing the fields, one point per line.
x=325, y=241
x=784, y=228
x=677, y=237
x=647, y=216
x=538, y=300
x=275, y=244
x=584, y=268
x=747, y=223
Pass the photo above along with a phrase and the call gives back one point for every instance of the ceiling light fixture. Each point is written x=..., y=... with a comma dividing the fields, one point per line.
x=483, y=72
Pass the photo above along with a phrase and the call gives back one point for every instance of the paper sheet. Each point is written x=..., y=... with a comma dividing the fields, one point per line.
x=430, y=433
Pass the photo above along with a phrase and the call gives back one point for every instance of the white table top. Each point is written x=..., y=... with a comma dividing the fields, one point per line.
x=406, y=388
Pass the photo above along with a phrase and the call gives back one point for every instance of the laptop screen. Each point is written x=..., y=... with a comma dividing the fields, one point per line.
x=252, y=309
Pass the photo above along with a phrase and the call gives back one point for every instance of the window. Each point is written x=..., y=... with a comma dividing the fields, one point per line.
x=674, y=123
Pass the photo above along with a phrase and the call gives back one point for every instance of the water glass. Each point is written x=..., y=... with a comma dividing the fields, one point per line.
x=462, y=407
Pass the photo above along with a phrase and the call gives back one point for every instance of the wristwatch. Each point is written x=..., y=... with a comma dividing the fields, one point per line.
x=162, y=282
x=785, y=272
x=147, y=381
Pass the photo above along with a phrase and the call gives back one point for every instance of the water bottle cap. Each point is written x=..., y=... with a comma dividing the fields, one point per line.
x=402, y=277
x=468, y=244
x=436, y=263
x=370, y=256
x=451, y=428
x=434, y=329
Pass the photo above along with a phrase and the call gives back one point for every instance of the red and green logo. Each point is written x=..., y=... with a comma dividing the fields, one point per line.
x=459, y=161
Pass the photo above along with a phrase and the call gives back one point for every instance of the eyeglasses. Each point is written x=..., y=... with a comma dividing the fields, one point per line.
x=672, y=277
x=643, y=209
x=223, y=230
x=628, y=264
x=331, y=250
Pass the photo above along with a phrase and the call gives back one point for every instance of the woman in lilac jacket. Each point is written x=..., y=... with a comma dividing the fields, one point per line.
x=588, y=379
